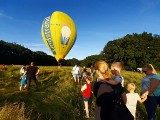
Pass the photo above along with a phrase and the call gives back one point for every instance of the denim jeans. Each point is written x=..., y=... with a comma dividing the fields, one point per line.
x=151, y=105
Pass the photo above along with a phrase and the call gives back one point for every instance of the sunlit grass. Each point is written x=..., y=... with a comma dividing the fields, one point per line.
x=14, y=111
x=57, y=97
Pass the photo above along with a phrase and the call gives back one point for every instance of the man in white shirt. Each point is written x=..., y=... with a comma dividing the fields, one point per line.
x=76, y=73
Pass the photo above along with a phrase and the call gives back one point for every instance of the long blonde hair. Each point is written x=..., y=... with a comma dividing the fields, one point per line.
x=102, y=67
x=150, y=67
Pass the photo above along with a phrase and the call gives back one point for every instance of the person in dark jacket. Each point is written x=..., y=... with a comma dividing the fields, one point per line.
x=32, y=71
x=104, y=93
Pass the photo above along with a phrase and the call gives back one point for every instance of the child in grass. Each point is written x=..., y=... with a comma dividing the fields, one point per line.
x=23, y=82
x=86, y=91
x=132, y=99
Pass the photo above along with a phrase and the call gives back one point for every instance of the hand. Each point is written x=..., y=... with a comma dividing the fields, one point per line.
x=144, y=95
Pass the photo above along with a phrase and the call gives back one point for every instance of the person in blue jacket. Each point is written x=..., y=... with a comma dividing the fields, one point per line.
x=23, y=83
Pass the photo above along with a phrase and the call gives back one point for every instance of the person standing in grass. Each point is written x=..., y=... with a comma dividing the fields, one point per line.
x=86, y=92
x=92, y=71
x=22, y=70
x=151, y=89
x=105, y=94
x=83, y=74
x=23, y=83
x=32, y=71
x=3, y=67
x=76, y=73
x=132, y=99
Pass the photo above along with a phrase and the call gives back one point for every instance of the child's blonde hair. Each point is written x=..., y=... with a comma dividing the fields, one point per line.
x=131, y=86
x=118, y=65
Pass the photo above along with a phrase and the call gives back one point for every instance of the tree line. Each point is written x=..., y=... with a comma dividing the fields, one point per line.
x=134, y=50
x=12, y=53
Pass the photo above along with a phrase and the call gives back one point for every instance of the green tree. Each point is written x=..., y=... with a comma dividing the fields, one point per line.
x=134, y=50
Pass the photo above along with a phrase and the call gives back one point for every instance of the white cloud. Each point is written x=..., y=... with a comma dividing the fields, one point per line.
x=34, y=44
x=5, y=16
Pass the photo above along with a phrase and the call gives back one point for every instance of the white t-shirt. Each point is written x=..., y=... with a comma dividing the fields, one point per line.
x=132, y=99
x=76, y=70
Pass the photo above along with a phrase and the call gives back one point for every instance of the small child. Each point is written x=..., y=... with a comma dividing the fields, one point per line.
x=86, y=89
x=83, y=74
x=116, y=71
x=22, y=70
x=23, y=82
x=132, y=99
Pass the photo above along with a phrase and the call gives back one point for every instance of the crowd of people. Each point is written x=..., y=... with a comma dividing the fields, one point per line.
x=112, y=102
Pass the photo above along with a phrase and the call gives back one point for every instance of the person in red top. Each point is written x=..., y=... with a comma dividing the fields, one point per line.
x=86, y=92
x=3, y=67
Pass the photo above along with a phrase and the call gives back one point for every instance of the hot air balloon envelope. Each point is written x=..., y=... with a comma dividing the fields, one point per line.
x=59, y=34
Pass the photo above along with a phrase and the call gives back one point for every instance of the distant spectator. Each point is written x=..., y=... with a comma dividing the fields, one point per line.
x=22, y=70
x=83, y=73
x=76, y=73
x=59, y=65
x=32, y=71
x=91, y=70
x=23, y=84
x=3, y=67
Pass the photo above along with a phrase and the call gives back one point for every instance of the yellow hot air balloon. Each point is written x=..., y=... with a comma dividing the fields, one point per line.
x=59, y=34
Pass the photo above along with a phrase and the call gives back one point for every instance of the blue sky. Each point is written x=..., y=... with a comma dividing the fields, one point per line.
x=97, y=21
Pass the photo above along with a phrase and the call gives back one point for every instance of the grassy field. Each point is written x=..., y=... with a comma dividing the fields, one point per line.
x=57, y=97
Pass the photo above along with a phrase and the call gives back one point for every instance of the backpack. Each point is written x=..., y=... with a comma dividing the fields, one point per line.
x=119, y=109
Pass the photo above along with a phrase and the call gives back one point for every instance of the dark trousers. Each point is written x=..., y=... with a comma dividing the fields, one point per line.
x=29, y=82
x=151, y=105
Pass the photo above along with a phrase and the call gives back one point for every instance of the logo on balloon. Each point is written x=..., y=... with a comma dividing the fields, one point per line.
x=65, y=35
x=47, y=34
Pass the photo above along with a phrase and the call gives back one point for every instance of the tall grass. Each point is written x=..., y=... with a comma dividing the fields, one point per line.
x=14, y=111
x=57, y=97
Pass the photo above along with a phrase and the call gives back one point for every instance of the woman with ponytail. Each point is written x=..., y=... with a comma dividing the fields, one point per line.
x=151, y=89
x=104, y=92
